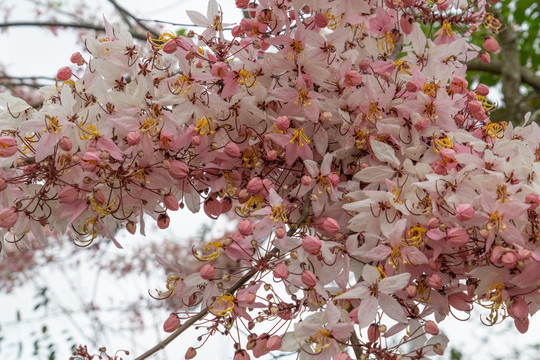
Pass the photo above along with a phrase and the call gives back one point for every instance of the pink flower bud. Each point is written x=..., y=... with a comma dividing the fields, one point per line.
x=8, y=146
x=311, y=244
x=411, y=290
x=458, y=237
x=334, y=179
x=342, y=356
x=524, y=254
x=330, y=225
x=163, y=221
x=363, y=65
x=496, y=254
x=485, y=57
x=131, y=227
x=281, y=271
x=490, y=44
x=8, y=217
x=191, y=353
x=352, y=78
x=171, y=202
x=484, y=233
x=421, y=124
x=212, y=207
x=133, y=138
x=245, y=227
x=521, y=326
x=241, y=3
x=309, y=279
x=178, y=170
x=207, y=272
x=225, y=204
x=237, y=31
x=435, y=282
x=406, y=22
x=321, y=20
x=77, y=58
x=283, y=123
x=170, y=46
x=63, y=74
x=412, y=87
x=68, y=195
x=519, y=309
x=433, y=223
x=271, y=155
x=241, y=355
x=65, y=144
x=89, y=161
x=196, y=140
x=438, y=349
x=373, y=332
x=510, y=259
x=274, y=343
x=431, y=327
x=232, y=150
x=464, y=212
x=172, y=323
x=306, y=180
x=254, y=185
x=280, y=233
x=482, y=90
x=3, y=184
x=532, y=200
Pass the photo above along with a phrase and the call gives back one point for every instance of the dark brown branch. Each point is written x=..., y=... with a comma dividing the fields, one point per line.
x=63, y=25
x=528, y=77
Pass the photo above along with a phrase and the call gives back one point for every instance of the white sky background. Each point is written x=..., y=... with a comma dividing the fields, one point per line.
x=35, y=51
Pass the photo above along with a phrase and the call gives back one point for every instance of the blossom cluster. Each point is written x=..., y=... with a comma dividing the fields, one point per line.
x=365, y=175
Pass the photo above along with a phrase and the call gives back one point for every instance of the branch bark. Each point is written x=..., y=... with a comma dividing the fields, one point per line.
x=527, y=76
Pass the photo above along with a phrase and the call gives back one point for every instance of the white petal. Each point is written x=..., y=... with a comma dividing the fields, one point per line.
x=198, y=19
x=384, y=153
x=391, y=307
x=367, y=311
x=374, y=173
x=394, y=283
x=370, y=274
x=359, y=292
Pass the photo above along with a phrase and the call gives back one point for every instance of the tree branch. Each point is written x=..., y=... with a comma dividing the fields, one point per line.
x=496, y=67
x=201, y=314
x=64, y=25
x=125, y=13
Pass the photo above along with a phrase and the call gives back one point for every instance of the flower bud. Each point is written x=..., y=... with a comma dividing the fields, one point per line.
x=280, y=233
x=496, y=254
x=406, y=22
x=77, y=58
x=485, y=57
x=190, y=353
x=431, y=327
x=283, y=123
x=342, y=356
x=271, y=155
x=65, y=144
x=241, y=355
x=133, y=138
x=519, y=309
x=464, y=212
x=311, y=244
x=309, y=279
x=458, y=85
x=458, y=237
x=510, y=260
x=68, y=195
x=482, y=90
x=212, y=207
x=321, y=20
x=3, y=184
x=533, y=200
x=245, y=227
x=363, y=65
x=207, y=272
x=241, y=3
x=411, y=290
x=306, y=180
x=131, y=227
x=274, y=343
x=172, y=323
x=433, y=223
x=171, y=202
x=490, y=44
x=281, y=271
x=232, y=150
x=412, y=87
x=163, y=221
x=196, y=140
x=254, y=185
x=330, y=225
x=435, y=282
x=63, y=74
x=438, y=349
x=8, y=217
x=178, y=170
x=333, y=178
x=373, y=332
x=8, y=146
x=524, y=254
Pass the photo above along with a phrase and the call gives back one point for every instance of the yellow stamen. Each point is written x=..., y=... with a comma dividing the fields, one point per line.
x=415, y=236
x=442, y=142
x=228, y=301
x=88, y=132
x=279, y=213
x=385, y=43
x=320, y=341
x=496, y=221
x=446, y=28
x=162, y=40
x=246, y=78
x=52, y=124
x=496, y=130
x=303, y=98
x=300, y=137
x=205, y=126
x=217, y=245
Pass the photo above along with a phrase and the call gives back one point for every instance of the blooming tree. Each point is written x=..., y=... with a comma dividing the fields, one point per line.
x=373, y=195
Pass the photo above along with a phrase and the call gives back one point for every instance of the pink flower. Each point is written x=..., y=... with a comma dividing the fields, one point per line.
x=171, y=202
x=458, y=237
x=178, y=170
x=90, y=161
x=330, y=225
x=133, y=138
x=311, y=244
x=464, y=212
x=232, y=150
x=163, y=221
x=77, y=58
x=309, y=279
x=207, y=272
x=245, y=227
x=8, y=217
x=490, y=44
x=65, y=144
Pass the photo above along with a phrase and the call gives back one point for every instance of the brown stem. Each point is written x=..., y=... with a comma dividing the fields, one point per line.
x=201, y=314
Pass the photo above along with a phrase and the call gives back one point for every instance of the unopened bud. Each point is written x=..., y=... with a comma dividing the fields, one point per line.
x=172, y=323
x=207, y=272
